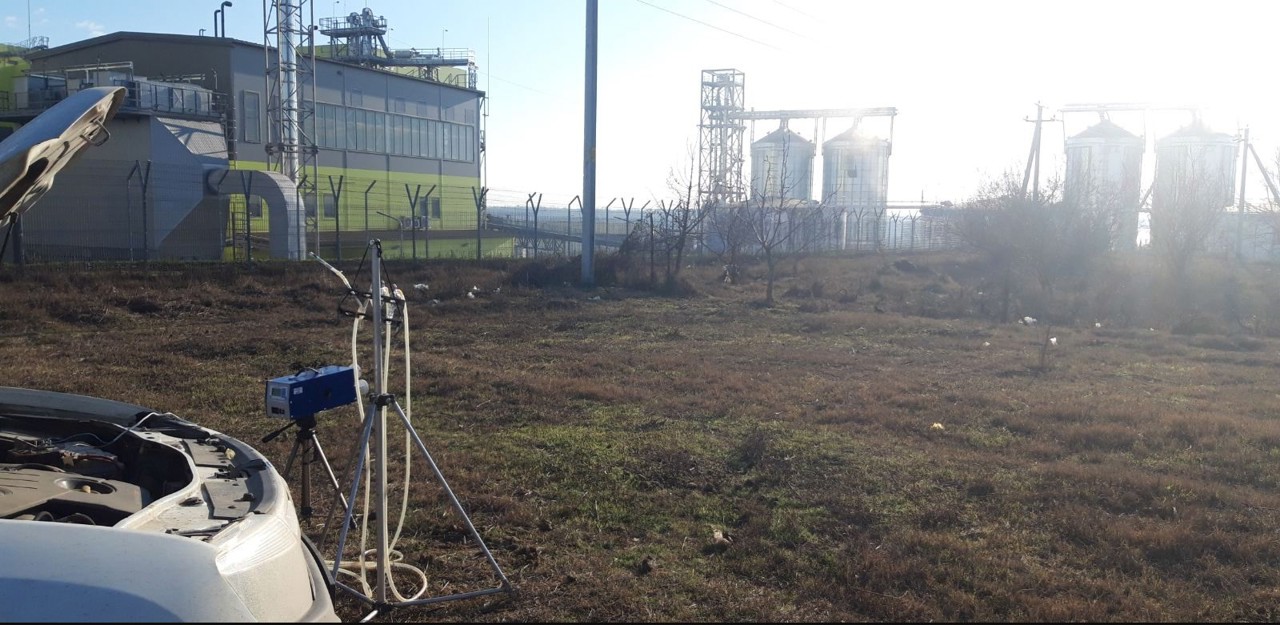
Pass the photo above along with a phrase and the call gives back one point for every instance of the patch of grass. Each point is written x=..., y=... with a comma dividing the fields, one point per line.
x=600, y=444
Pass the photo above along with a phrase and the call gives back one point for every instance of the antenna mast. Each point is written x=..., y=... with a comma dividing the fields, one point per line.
x=290, y=74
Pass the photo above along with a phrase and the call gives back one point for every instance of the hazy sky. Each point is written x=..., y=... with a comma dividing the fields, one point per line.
x=963, y=75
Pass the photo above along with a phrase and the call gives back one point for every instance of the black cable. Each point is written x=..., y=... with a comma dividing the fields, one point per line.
x=713, y=26
x=761, y=20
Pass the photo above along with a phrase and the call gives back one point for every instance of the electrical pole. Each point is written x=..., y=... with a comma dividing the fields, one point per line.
x=1032, y=174
x=1240, y=205
x=589, y=150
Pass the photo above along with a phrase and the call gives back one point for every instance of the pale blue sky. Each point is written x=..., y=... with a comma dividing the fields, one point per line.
x=962, y=74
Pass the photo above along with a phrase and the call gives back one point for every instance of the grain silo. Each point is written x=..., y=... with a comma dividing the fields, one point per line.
x=1195, y=179
x=782, y=167
x=855, y=172
x=1104, y=177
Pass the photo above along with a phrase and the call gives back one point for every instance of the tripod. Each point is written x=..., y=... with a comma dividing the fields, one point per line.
x=307, y=444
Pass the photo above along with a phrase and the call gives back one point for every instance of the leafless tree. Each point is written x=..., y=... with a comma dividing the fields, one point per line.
x=1037, y=236
x=1186, y=205
x=683, y=218
x=778, y=225
x=730, y=232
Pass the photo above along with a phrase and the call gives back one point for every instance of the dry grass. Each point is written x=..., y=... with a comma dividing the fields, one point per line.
x=600, y=438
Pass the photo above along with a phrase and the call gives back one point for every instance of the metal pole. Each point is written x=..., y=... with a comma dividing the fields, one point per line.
x=246, y=182
x=128, y=213
x=337, y=213
x=146, y=235
x=1240, y=206
x=589, y=150
x=426, y=222
x=413, y=216
x=380, y=453
x=537, y=205
x=366, y=207
x=479, y=200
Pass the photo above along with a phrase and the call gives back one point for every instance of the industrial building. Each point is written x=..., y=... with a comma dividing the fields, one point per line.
x=855, y=167
x=395, y=150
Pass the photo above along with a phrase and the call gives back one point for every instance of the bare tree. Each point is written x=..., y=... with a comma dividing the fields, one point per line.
x=779, y=225
x=1040, y=237
x=683, y=219
x=1186, y=205
x=730, y=232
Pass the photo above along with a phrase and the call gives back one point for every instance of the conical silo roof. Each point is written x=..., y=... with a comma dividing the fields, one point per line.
x=782, y=136
x=1197, y=130
x=1106, y=129
x=851, y=136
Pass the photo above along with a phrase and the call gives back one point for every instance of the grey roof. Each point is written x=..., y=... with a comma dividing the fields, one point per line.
x=1106, y=129
x=138, y=36
x=851, y=136
x=1197, y=129
x=783, y=136
x=226, y=42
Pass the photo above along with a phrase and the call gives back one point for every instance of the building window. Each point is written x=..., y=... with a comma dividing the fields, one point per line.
x=251, y=116
x=356, y=99
x=357, y=130
x=394, y=124
x=340, y=128
x=447, y=151
x=435, y=208
x=398, y=105
x=415, y=137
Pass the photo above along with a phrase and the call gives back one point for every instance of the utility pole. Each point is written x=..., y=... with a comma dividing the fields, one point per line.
x=1240, y=205
x=1032, y=174
x=589, y=150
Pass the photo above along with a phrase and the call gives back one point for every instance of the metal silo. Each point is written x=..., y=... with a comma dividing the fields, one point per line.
x=1195, y=179
x=855, y=172
x=1104, y=177
x=782, y=167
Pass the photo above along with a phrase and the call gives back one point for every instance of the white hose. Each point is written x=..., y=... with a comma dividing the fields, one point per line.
x=358, y=570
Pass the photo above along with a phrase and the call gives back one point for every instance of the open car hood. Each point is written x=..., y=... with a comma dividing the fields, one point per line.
x=36, y=152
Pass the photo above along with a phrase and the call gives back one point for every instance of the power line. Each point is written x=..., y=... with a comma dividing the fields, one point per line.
x=762, y=21
x=785, y=5
x=511, y=82
x=713, y=26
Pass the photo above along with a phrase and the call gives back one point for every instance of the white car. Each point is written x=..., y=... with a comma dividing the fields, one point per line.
x=116, y=512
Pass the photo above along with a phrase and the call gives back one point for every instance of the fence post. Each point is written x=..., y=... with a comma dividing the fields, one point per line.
x=426, y=223
x=606, y=216
x=145, y=180
x=366, y=209
x=337, y=214
x=536, y=207
x=479, y=200
x=653, y=276
x=246, y=183
x=128, y=211
x=568, y=224
x=413, y=226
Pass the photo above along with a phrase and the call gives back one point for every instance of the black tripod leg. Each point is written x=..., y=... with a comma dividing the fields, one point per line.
x=333, y=478
x=304, y=509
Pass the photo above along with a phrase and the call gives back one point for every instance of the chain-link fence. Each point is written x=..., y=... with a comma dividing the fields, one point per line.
x=107, y=210
x=113, y=210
